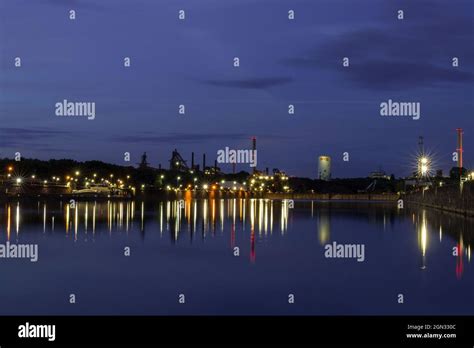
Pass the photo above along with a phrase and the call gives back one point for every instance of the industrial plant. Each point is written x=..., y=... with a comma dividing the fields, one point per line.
x=94, y=179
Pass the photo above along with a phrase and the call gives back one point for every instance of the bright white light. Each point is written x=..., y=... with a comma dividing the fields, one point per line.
x=424, y=169
x=424, y=166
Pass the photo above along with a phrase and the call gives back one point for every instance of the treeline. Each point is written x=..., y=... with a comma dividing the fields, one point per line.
x=152, y=177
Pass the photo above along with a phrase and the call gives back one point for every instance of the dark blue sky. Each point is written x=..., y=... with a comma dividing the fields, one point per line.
x=282, y=62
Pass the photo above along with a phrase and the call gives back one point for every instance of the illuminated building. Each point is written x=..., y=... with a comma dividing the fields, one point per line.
x=324, y=168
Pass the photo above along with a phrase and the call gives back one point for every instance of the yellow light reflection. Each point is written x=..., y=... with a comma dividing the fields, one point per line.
x=17, y=218
x=9, y=220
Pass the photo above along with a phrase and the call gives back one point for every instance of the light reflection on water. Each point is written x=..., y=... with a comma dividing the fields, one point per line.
x=257, y=226
x=205, y=216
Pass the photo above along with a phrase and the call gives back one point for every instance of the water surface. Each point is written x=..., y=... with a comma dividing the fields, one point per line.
x=189, y=247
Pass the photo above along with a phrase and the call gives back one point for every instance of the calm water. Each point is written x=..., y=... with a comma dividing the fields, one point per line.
x=189, y=249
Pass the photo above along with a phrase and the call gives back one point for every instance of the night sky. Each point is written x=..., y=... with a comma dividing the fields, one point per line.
x=281, y=62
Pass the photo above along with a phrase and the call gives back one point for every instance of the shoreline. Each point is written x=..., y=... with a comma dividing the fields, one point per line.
x=443, y=208
x=160, y=196
x=453, y=199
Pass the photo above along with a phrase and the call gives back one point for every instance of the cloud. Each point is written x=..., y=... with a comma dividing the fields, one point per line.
x=402, y=75
x=398, y=54
x=177, y=138
x=76, y=4
x=30, y=132
x=256, y=83
x=34, y=138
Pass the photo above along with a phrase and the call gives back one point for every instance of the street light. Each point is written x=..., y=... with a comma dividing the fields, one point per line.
x=423, y=166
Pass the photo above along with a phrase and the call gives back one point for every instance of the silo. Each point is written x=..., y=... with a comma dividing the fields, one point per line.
x=324, y=168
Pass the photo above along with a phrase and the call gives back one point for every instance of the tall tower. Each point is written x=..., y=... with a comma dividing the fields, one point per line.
x=324, y=168
x=421, y=145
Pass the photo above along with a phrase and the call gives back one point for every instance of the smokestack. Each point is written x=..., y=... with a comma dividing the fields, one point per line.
x=192, y=160
x=203, y=162
x=215, y=166
x=233, y=168
x=460, y=149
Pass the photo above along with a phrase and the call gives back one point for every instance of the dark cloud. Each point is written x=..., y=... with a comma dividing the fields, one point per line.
x=34, y=138
x=402, y=75
x=30, y=132
x=74, y=4
x=177, y=138
x=174, y=138
x=257, y=83
x=412, y=53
